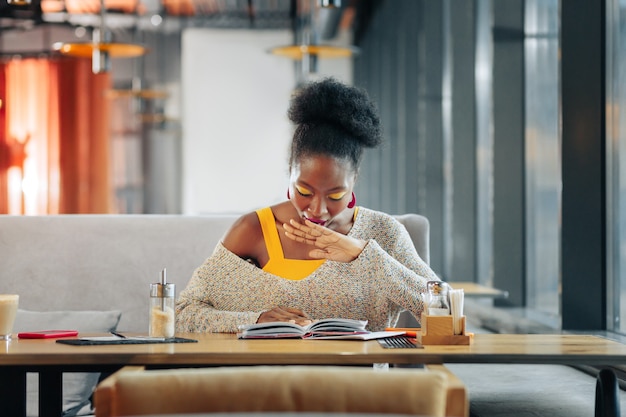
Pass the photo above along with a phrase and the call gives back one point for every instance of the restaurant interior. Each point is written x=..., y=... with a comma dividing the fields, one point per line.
x=502, y=126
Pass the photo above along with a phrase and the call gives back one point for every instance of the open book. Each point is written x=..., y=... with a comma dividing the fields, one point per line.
x=333, y=328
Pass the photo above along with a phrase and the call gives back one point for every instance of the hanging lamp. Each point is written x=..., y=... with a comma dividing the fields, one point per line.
x=144, y=98
x=321, y=51
x=144, y=94
x=100, y=49
x=306, y=49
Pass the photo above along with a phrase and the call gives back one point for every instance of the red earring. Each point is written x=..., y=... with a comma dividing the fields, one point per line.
x=352, y=202
x=288, y=195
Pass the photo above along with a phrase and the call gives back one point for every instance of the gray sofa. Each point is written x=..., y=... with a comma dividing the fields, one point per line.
x=101, y=262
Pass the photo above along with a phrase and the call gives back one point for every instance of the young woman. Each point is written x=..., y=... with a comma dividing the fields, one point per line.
x=316, y=255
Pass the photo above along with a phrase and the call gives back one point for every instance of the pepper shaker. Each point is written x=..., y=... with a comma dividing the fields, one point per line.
x=162, y=300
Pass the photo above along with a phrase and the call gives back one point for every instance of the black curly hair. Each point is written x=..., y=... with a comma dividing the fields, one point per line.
x=333, y=119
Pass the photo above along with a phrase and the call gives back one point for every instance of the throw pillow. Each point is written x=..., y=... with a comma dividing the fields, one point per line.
x=77, y=386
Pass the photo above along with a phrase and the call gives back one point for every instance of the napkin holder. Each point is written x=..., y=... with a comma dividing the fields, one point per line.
x=439, y=330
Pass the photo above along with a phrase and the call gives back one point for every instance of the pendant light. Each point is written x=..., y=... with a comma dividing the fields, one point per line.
x=101, y=49
x=145, y=100
x=306, y=49
x=321, y=51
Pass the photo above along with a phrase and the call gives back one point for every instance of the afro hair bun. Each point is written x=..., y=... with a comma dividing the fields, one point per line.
x=346, y=107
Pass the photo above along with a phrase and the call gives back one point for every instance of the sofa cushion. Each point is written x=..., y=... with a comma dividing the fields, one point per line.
x=77, y=386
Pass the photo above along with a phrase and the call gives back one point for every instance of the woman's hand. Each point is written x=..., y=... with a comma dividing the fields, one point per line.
x=330, y=244
x=292, y=315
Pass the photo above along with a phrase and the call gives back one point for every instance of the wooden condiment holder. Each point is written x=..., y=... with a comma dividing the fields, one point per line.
x=439, y=330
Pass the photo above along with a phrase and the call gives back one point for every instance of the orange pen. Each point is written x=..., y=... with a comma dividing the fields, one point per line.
x=409, y=331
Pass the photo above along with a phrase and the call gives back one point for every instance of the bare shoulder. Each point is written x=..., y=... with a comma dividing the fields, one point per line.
x=244, y=236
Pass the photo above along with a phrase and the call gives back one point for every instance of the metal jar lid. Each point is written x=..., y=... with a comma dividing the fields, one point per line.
x=162, y=290
x=437, y=287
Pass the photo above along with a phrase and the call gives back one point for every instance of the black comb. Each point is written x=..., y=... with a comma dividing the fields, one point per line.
x=399, y=342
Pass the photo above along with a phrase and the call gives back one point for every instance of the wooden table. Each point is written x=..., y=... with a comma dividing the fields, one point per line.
x=474, y=290
x=51, y=359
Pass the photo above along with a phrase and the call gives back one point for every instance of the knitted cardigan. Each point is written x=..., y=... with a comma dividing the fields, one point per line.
x=388, y=277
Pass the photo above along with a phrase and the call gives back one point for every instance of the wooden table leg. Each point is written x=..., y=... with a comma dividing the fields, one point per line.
x=50, y=393
x=607, y=399
x=13, y=392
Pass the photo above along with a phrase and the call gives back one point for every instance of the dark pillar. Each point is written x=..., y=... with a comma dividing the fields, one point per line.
x=583, y=233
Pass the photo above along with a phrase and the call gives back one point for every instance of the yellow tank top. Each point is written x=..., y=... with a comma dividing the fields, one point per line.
x=294, y=269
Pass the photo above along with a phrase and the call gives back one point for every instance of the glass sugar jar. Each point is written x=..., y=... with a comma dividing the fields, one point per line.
x=438, y=304
x=162, y=305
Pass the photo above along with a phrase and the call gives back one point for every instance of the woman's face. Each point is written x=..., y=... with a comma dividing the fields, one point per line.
x=321, y=187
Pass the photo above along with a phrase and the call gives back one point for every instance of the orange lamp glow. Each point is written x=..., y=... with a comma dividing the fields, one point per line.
x=321, y=51
x=85, y=49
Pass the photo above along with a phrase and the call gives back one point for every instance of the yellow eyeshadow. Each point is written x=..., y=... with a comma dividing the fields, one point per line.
x=337, y=196
x=303, y=190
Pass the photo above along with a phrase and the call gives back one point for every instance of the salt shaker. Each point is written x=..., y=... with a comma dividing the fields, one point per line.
x=438, y=304
x=162, y=316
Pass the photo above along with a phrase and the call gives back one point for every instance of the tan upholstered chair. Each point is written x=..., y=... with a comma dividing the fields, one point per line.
x=134, y=391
